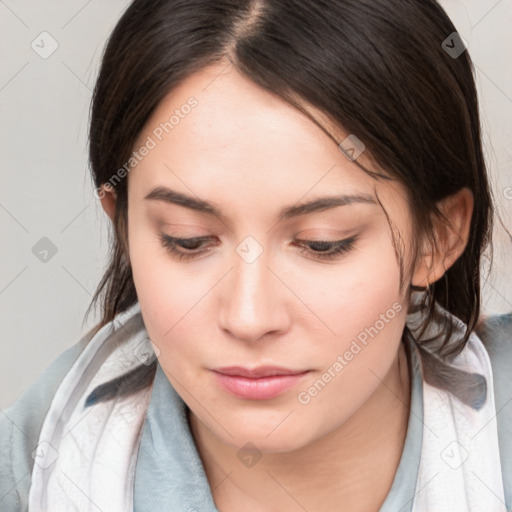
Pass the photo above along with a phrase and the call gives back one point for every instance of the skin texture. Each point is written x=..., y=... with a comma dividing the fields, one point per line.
x=251, y=154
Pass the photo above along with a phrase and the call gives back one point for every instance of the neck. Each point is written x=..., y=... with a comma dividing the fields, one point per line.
x=361, y=455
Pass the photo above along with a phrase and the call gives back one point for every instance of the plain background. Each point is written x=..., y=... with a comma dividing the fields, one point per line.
x=46, y=192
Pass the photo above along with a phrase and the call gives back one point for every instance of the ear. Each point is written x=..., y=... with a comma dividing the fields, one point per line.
x=451, y=239
x=107, y=196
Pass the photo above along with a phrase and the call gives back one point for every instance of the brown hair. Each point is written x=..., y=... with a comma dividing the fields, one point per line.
x=376, y=68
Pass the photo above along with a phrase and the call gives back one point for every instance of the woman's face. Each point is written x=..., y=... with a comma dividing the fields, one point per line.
x=267, y=339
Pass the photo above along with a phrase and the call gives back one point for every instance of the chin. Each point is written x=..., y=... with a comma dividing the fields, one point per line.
x=266, y=436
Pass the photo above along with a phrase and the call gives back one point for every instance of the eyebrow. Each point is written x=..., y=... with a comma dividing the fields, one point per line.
x=168, y=195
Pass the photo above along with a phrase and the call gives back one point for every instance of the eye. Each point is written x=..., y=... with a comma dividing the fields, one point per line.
x=327, y=249
x=183, y=248
x=188, y=248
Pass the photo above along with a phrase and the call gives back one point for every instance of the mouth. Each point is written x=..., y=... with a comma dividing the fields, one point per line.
x=261, y=383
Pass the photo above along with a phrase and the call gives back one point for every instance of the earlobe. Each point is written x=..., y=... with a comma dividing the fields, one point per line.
x=107, y=197
x=451, y=239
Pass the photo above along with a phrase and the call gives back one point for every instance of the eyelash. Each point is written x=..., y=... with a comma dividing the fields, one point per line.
x=335, y=248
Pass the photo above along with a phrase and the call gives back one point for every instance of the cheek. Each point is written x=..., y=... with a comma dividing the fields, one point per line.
x=352, y=363
x=364, y=312
x=352, y=296
x=172, y=300
x=159, y=286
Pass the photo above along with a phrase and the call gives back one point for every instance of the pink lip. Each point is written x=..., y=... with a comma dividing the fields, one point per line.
x=260, y=383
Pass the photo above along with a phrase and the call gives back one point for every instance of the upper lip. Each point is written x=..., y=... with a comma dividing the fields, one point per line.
x=260, y=371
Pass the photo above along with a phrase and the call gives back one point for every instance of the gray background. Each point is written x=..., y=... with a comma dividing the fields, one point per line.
x=46, y=192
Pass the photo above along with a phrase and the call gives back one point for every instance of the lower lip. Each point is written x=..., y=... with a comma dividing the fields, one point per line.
x=262, y=388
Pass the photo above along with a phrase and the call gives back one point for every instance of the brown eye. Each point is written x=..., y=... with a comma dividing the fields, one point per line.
x=188, y=248
x=183, y=248
x=327, y=250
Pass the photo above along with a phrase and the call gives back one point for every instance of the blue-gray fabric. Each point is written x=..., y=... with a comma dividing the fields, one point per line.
x=169, y=472
x=20, y=425
x=496, y=334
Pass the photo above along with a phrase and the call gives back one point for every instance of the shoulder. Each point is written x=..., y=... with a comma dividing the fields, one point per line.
x=496, y=335
x=20, y=425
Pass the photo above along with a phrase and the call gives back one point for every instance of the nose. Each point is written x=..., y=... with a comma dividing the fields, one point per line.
x=253, y=302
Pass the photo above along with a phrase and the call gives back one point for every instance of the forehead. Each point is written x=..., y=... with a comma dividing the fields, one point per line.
x=219, y=131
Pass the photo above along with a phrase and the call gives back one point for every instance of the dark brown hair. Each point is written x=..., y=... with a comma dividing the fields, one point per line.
x=376, y=68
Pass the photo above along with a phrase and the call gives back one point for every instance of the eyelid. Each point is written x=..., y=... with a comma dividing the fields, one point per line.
x=174, y=239
x=335, y=247
x=169, y=243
